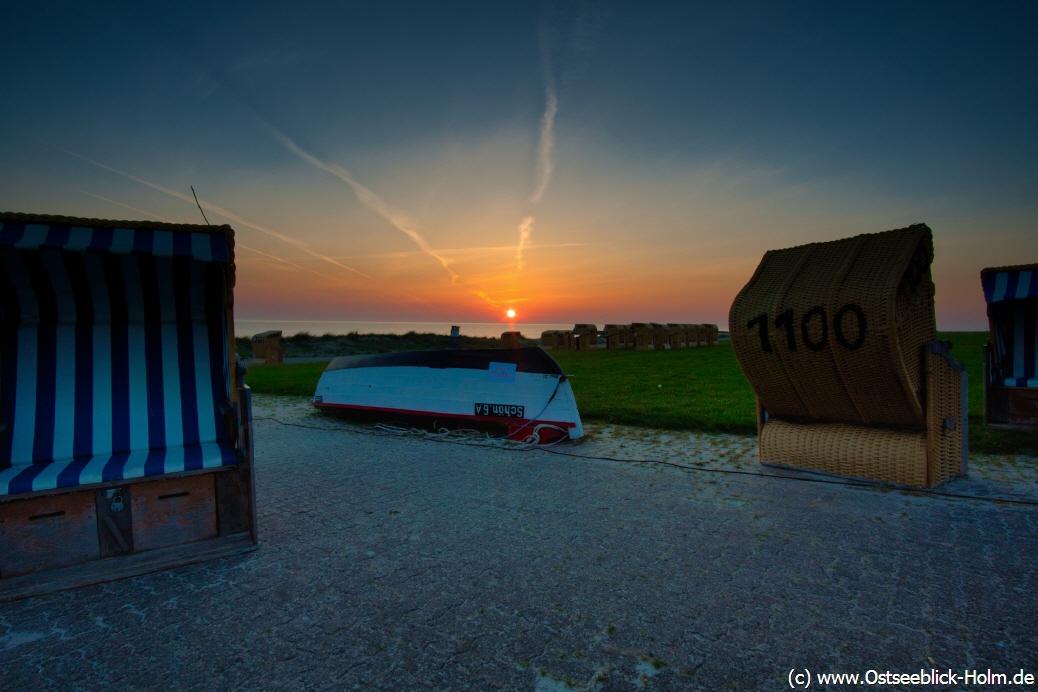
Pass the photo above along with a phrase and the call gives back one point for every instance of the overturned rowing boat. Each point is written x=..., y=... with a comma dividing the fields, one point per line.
x=523, y=388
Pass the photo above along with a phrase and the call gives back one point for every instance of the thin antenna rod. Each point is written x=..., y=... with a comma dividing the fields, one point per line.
x=199, y=205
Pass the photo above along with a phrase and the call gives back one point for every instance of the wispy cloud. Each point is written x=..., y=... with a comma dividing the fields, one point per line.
x=524, y=240
x=456, y=253
x=369, y=199
x=127, y=206
x=487, y=299
x=237, y=243
x=545, y=165
x=546, y=144
x=226, y=214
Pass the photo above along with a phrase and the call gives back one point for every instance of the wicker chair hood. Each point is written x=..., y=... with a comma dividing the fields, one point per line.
x=835, y=331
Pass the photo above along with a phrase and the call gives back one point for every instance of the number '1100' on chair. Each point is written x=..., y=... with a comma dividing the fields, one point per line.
x=839, y=342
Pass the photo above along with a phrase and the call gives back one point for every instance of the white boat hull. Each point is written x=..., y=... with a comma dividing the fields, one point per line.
x=497, y=392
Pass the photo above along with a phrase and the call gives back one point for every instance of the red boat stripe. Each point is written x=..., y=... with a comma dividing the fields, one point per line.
x=408, y=412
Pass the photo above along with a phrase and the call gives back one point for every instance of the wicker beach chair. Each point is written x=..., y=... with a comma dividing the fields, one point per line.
x=688, y=332
x=838, y=340
x=125, y=444
x=267, y=349
x=1011, y=354
x=699, y=331
x=511, y=340
x=677, y=335
x=642, y=335
x=660, y=336
x=585, y=337
x=626, y=336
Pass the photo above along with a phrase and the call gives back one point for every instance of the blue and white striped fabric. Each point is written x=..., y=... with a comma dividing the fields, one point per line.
x=1015, y=343
x=1012, y=284
x=206, y=247
x=114, y=362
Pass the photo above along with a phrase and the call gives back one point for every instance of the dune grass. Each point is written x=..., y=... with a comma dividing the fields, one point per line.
x=699, y=389
x=305, y=344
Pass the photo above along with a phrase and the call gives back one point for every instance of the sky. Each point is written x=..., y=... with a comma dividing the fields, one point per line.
x=576, y=162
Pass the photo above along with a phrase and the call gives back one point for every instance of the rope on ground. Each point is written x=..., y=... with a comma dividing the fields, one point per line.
x=473, y=438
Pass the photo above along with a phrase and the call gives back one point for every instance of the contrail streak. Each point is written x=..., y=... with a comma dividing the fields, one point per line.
x=237, y=243
x=368, y=198
x=223, y=212
x=127, y=206
x=545, y=166
x=524, y=239
x=487, y=299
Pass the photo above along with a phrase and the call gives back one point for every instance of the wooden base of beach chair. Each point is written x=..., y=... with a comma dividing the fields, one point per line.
x=1012, y=408
x=922, y=458
x=96, y=534
x=132, y=565
x=848, y=450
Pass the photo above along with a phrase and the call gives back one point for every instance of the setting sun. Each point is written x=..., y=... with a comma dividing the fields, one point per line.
x=511, y=314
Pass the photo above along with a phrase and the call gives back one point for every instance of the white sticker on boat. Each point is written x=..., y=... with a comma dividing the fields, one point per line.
x=501, y=372
x=505, y=410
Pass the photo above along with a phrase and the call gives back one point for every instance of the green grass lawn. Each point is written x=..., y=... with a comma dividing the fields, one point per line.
x=696, y=389
x=690, y=389
x=295, y=379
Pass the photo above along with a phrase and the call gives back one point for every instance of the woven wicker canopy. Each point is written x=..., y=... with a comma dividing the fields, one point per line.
x=835, y=331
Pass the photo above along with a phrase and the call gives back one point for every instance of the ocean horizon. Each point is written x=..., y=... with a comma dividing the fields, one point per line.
x=321, y=327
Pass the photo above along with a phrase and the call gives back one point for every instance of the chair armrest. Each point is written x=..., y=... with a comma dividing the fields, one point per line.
x=947, y=414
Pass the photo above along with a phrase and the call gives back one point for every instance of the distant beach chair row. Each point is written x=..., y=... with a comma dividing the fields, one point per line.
x=642, y=336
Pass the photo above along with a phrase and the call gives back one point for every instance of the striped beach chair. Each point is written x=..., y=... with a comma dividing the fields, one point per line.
x=1011, y=354
x=124, y=422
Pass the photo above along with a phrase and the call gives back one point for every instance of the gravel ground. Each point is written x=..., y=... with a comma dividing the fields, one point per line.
x=396, y=563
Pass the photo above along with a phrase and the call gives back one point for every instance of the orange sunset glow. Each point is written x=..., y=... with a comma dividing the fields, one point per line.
x=570, y=169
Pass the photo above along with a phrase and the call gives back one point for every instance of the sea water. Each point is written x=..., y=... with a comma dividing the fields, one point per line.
x=319, y=328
